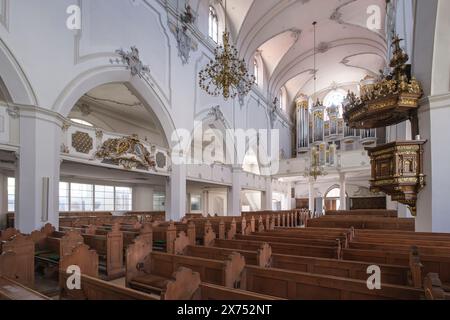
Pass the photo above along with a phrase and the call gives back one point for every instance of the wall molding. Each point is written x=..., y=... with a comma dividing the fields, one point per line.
x=4, y=13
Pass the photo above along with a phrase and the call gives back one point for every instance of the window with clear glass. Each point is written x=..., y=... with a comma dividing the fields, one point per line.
x=11, y=194
x=104, y=198
x=88, y=197
x=64, y=196
x=256, y=71
x=196, y=203
x=282, y=99
x=334, y=99
x=83, y=122
x=213, y=25
x=159, y=201
x=81, y=197
x=123, y=199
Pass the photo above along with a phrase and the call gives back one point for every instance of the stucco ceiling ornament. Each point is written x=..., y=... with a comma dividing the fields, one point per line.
x=185, y=41
x=217, y=114
x=133, y=62
x=273, y=112
x=127, y=152
x=13, y=112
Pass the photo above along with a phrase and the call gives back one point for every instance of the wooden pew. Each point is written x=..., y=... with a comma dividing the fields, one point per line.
x=433, y=288
x=17, y=260
x=373, y=235
x=213, y=292
x=13, y=290
x=363, y=213
x=7, y=234
x=300, y=241
x=148, y=271
x=300, y=286
x=264, y=258
x=390, y=274
x=92, y=288
x=260, y=257
x=343, y=237
x=50, y=246
x=109, y=247
x=363, y=223
x=424, y=263
x=391, y=247
x=281, y=248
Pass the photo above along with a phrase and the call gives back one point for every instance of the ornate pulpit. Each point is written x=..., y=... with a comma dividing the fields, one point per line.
x=397, y=170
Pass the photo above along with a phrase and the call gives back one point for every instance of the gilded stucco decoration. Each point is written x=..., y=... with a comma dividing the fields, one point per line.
x=127, y=152
x=82, y=142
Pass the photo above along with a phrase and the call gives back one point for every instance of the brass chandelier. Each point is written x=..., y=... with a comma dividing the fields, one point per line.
x=226, y=74
x=315, y=170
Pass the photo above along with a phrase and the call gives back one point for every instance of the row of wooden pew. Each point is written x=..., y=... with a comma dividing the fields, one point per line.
x=76, y=219
x=224, y=258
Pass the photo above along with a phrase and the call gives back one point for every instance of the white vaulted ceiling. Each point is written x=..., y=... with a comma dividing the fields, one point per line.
x=281, y=30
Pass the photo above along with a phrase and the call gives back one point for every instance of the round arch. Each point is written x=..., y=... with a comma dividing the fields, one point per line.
x=332, y=201
x=14, y=84
x=213, y=118
x=101, y=76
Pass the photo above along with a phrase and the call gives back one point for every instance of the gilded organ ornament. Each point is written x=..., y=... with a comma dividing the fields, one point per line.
x=82, y=142
x=127, y=152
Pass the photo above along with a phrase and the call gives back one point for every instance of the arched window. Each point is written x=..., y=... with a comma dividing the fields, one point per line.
x=282, y=98
x=334, y=98
x=256, y=71
x=82, y=122
x=213, y=25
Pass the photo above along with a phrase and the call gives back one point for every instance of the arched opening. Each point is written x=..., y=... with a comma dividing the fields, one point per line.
x=333, y=102
x=115, y=153
x=282, y=98
x=115, y=107
x=333, y=198
x=213, y=24
x=251, y=163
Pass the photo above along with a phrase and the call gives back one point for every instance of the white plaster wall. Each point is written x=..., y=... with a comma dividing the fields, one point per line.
x=142, y=198
x=58, y=67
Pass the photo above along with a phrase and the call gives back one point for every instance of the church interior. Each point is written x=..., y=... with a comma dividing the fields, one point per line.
x=224, y=150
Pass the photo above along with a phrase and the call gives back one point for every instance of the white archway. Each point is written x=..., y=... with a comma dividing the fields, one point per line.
x=100, y=76
x=14, y=84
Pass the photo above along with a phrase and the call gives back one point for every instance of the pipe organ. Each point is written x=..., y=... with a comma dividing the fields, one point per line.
x=324, y=128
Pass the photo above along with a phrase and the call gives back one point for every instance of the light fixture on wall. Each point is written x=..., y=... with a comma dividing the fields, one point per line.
x=226, y=74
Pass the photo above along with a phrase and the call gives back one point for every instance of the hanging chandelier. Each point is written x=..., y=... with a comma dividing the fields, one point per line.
x=318, y=104
x=315, y=170
x=226, y=74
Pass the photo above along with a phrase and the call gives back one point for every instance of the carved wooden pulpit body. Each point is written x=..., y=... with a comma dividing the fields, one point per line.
x=397, y=170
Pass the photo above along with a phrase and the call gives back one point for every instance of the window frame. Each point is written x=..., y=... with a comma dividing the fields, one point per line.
x=213, y=24
x=115, y=206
